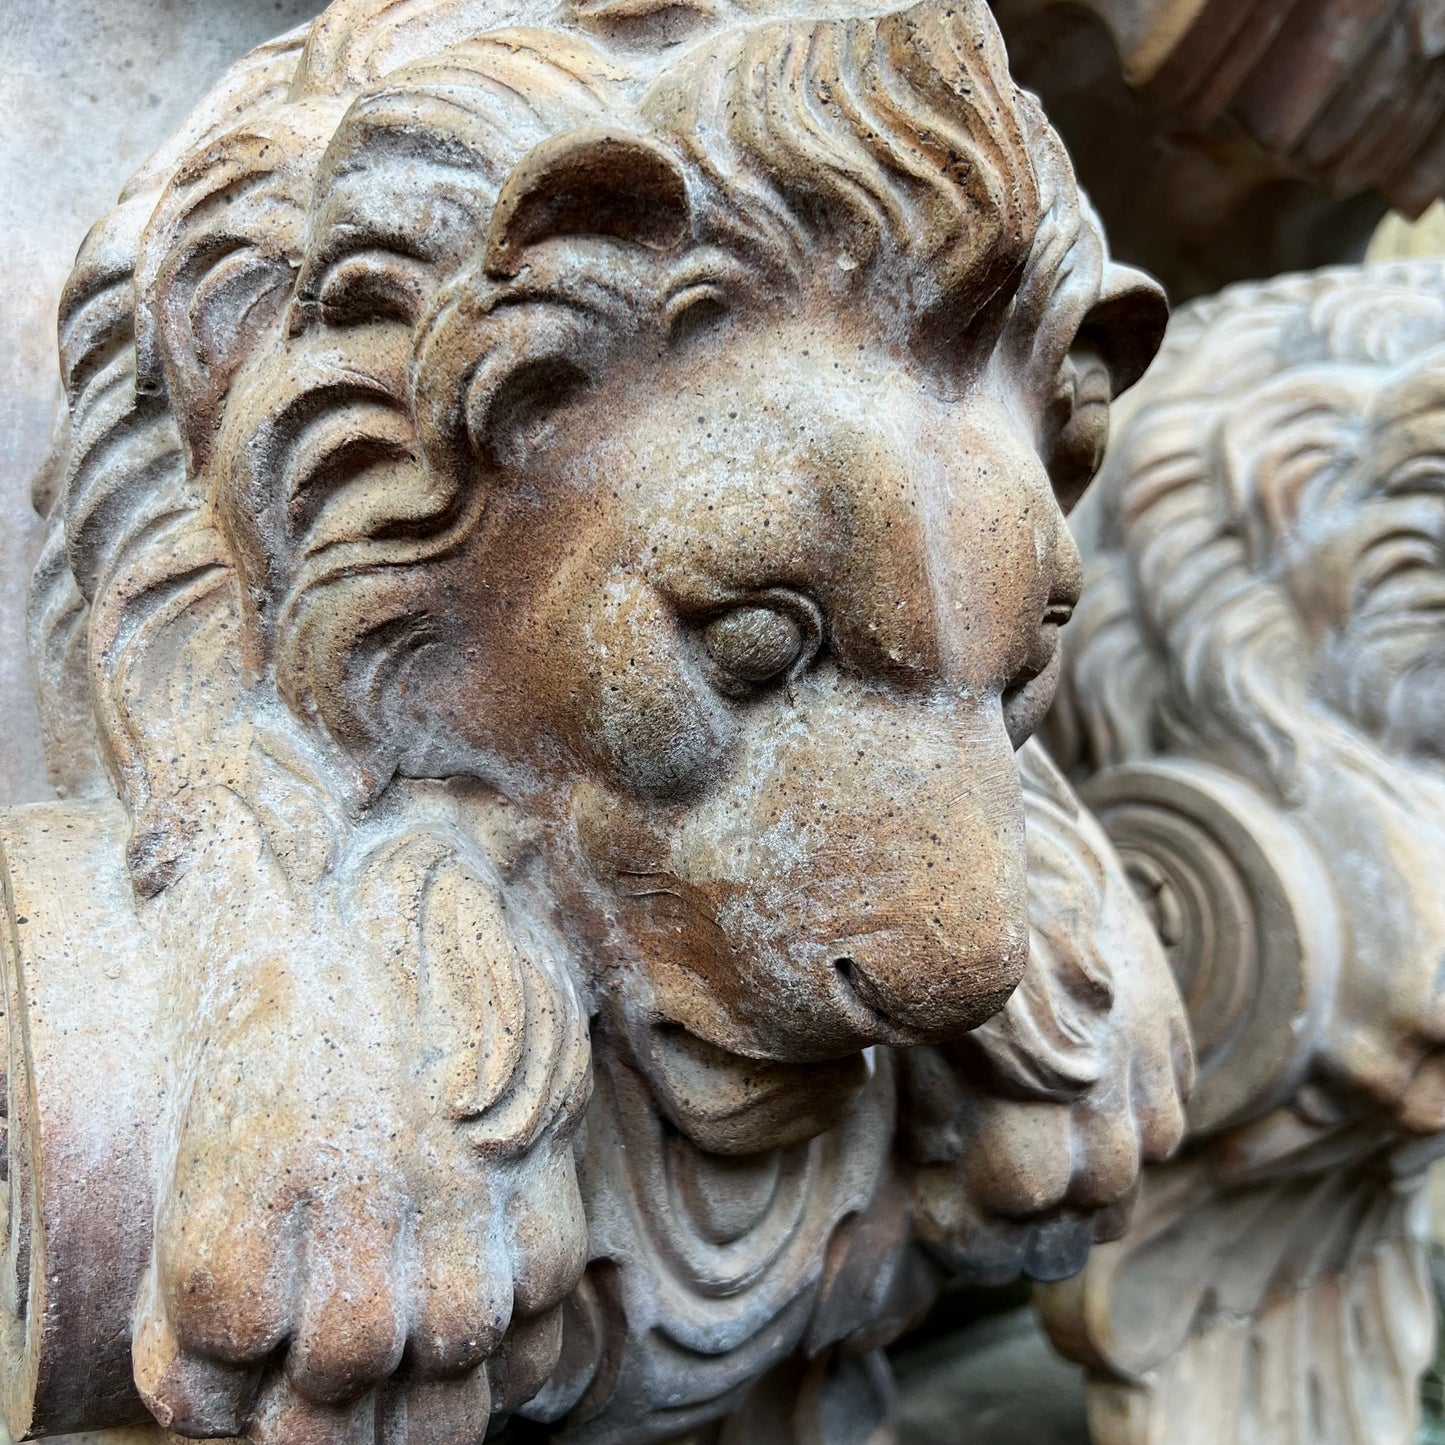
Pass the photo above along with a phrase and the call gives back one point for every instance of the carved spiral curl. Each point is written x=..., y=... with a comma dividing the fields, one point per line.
x=1244, y=906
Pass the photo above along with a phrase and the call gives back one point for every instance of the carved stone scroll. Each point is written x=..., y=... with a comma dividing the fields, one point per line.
x=1253, y=699
x=558, y=544
x=83, y=1098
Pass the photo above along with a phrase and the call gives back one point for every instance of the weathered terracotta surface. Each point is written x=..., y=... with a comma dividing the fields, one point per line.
x=1254, y=689
x=558, y=542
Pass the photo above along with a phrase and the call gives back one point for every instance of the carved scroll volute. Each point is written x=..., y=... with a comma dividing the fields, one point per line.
x=82, y=1104
x=1246, y=912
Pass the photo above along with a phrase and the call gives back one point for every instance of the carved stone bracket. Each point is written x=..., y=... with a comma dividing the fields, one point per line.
x=1253, y=695
x=1229, y=139
x=1347, y=91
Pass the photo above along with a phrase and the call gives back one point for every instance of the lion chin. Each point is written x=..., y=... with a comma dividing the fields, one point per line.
x=728, y=1104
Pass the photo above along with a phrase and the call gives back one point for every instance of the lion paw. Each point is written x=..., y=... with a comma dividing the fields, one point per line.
x=1030, y=1133
x=362, y=1201
x=323, y=1237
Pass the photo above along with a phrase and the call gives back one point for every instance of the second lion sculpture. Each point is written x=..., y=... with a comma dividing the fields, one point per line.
x=557, y=547
x=1252, y=702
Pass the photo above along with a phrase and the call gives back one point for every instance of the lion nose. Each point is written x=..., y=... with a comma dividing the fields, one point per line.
x=926, y=981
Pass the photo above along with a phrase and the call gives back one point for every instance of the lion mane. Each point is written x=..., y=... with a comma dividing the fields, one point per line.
x=255, y=353
x=288, y=354
x=1265, y=406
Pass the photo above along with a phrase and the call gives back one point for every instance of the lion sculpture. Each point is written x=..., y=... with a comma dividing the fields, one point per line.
x=1255, y=694
x=557, y=543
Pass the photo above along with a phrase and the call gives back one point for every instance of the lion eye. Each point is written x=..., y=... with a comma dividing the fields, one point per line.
x=755, y=644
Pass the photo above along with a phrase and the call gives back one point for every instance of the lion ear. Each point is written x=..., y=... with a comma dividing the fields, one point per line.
x=1125, y=326
x=589, y=183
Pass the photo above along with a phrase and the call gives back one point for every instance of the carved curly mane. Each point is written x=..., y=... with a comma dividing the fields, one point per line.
x=246, y=339
x=296, y=356
x=1265, y=405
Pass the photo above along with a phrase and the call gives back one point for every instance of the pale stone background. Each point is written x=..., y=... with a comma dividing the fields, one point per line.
x=88, y=88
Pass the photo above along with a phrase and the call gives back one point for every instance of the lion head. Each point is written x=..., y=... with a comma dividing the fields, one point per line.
x=635, y=450
x=561, y=534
